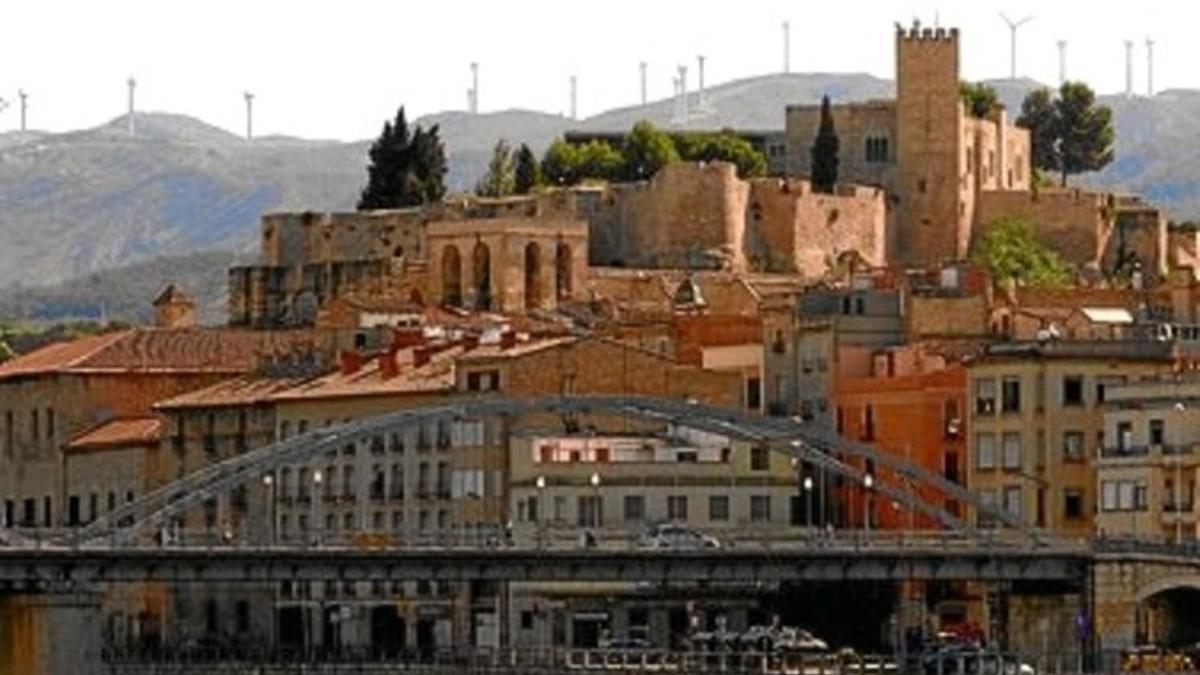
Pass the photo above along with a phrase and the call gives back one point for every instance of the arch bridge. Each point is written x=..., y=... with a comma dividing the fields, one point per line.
x=808, y=443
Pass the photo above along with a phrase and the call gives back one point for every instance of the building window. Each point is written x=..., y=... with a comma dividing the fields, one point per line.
x=718, y=508
x=1010, y=395
x=760, y=458
x=753, y=393
x=840, y=420
x=1073, y=504
x=1124, y=437
x=635, y=507
x=50, y=424
x=868, y=424
x=1012, y=500
x=985, y=451
x=876, y=149
x=1156, y=432
x=590, y=511
x=987, y=504
x=1012, y=450
x=951, y=424
x=1072, y=446
x=485, y=380
x=10, y=513
x=677, y=507
x=860, y=306
x=1123, y=495
x=760, y=508
x=1072, y=394
x=33, y=426
x=985, y=396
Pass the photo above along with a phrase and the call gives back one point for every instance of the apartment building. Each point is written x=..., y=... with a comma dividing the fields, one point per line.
x=1037, y=424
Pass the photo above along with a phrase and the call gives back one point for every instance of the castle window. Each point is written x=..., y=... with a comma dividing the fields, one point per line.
x=876, y=149
x=921, y=185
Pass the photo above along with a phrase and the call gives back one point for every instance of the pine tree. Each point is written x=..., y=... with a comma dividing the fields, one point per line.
x=825, y=152
x=527, y=174
x=406, y=169
x=500, y=179
x=1070, y=134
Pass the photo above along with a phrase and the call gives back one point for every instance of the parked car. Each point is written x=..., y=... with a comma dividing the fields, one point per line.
x=972, y=660
x=678, y=537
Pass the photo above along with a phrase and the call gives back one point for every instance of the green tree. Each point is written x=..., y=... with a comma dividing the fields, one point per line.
x=500, y=179
x=825, y=152
x=1069, y=134
x=600, y=161
x=725, y=146
x=1010, y=250
x=406, y=168
x=1085, y=130
x=561, y=163
x=646, y=151
x=527, y=174
x=1040, y=116
x=980, y=98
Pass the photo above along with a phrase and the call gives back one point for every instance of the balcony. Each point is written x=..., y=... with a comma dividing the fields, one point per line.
x=1119, y=452
x=1171, y=506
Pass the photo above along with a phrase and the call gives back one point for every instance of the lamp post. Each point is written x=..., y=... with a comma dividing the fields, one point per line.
x=808, y=493
x=317, y=478
x=868, y=482
x=597, y=512
x=269, y=484
x=540, y=514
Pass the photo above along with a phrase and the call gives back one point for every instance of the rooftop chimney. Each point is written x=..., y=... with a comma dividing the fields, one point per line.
x=388, y=367
x=350, y=361
x=508, y=339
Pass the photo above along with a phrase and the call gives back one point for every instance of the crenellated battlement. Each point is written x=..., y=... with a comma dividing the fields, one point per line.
x=918, y=33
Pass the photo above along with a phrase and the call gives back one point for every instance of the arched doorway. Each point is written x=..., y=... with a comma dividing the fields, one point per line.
x=533, y=275
x=483, y=276
x=562, y=271
x=451, y=277
x=1168, y=614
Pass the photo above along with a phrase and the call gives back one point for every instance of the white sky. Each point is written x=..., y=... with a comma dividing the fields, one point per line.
x=337, y=69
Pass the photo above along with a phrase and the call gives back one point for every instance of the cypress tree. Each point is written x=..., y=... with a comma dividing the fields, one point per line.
x=406, y=168
x=825, y=152
x=528, y=173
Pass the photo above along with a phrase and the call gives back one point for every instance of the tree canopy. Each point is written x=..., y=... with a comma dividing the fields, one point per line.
x=406, y=168
x=980, y=98
x=647, y=150
x=1010, y=250
x=500, y=179
x=1069, y=133
x=825, y=152
x=724, y=146
x=644, y=152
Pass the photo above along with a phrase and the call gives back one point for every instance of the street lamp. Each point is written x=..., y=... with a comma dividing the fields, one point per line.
x=268, y=481
x=540, y=515
x=597, y=511
x=808, y=492
x=317, y=478
x=868, y=483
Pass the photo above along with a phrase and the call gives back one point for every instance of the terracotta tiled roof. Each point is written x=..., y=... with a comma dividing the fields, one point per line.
x=370, y=380
x=118, y=433
x=1078, y=297
x=495, y=351
x=211, y=350
x=239, y=391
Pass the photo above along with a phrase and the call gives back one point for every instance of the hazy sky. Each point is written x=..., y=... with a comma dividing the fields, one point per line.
x=336, y=69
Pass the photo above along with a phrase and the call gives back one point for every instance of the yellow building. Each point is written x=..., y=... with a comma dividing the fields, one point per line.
x=1147, y=471
x=1037, y=425
x=615, y=487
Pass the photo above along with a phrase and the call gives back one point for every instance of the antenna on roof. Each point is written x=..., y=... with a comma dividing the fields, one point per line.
x=1149, y=67
x=642, y=69
x=132, y=84
x=574, y=98
x=1129, y=69
x=24, y=96
x=473, y=94
x=1062, y=62
x=1012, y=53
x=249, y=114
x=787, y=47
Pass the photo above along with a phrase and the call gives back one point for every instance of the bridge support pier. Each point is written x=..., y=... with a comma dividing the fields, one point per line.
x=50, y=633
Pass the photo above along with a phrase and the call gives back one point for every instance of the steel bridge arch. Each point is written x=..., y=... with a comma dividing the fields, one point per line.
x=806, y=442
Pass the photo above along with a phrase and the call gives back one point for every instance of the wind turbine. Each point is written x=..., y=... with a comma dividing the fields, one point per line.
x=1012, y=27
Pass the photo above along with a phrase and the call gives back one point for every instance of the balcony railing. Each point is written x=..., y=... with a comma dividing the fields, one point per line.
x=1152, y=449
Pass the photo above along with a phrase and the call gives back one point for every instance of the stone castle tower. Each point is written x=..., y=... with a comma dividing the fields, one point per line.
x=935, y=217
